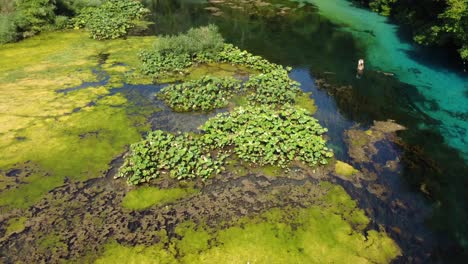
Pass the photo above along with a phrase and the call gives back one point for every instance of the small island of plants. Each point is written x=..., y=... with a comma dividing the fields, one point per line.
x=271, y=130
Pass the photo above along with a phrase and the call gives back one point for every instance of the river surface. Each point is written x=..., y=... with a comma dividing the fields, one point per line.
x=423, y=89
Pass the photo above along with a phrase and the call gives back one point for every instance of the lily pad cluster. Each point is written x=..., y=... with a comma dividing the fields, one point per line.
x=113, y=19
x=265, y=135
x=179, y=156
x=274, y=87
x=203, y=94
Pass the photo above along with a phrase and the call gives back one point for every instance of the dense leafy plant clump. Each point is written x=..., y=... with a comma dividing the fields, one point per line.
x=25, y=18
x=113, y=19
x=204, y=94
x=274, y=87
x=180, y=156
x=265, y=135
x=174, y=54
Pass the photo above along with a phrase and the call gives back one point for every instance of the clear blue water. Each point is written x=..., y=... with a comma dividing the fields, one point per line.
x=445, y=90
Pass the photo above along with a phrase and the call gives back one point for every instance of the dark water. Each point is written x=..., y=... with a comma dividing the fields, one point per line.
x=318, y=48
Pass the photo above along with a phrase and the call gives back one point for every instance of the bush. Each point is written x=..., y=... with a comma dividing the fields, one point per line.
x=7, y=29
x=34, y=16
x=259, y=135
x=196, y=40
x=113, y=19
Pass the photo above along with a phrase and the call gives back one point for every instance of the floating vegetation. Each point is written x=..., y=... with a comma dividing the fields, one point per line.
x=344, y=169
x=264, y=135
x=181, y=156
x=71, y=136
x=175, y=54
x=274, y=87
x=15, y=225
x=112, y=19
x=204, y=94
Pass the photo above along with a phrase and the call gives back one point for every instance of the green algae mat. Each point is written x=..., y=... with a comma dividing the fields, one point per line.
x=49, y=134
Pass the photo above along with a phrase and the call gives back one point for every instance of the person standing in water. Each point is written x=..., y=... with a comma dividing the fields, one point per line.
x=360, y=68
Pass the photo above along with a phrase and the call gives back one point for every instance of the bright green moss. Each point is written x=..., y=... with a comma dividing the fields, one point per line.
x=269, y=170
x=72, y=135
x=194, y=239
x=145, y=197
x=16, y=225
x=344, y=169
x=116, y=253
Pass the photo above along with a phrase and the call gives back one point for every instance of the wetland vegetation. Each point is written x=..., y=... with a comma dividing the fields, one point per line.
x=191, y=132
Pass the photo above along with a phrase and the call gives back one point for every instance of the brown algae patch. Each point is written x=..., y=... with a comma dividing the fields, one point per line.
x=144, y=197
x=361, y=144
x=70, y=135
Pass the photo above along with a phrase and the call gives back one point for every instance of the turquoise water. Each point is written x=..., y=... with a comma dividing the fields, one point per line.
x=445, y=90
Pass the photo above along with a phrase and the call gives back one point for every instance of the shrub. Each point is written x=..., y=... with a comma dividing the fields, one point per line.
x=34, y=16
x=204, y=94
x=113, y=19
x=7, y=28
x=156, y=64
x=196, y=40
x=173, y=54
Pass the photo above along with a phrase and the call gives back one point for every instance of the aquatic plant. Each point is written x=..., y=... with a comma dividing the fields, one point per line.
x=179, y=156
x=274, y=87
x=203, y=94
x=113, y=19
x=174, y=54
x=264, y=135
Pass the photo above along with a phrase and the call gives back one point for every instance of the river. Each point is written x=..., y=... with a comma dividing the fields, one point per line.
x=423, y=89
